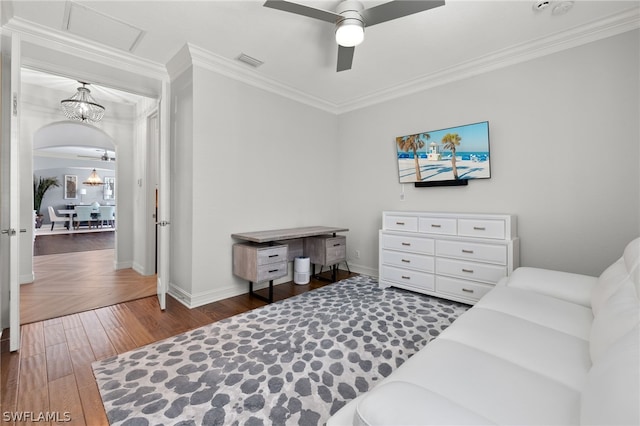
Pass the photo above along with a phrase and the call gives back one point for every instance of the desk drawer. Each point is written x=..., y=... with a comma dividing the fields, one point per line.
x=408, y=260
x=437, y=225
x=472, y=251
x=270, y=255
x=271, y=271
x=412, y=278
x=486, y=228
x=470, y=270
x=409, y=244
x=326, y=249
x=401, y=223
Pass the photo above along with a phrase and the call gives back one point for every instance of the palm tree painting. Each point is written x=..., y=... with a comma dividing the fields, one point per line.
x=413, y=143
x=449, y=142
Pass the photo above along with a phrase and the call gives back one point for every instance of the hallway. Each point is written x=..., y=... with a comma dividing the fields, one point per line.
x=74, y=282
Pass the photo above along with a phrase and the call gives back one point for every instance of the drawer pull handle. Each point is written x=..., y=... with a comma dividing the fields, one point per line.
x=467, y=251
x=466, y=290
x=271, y=271
x=406, y=260
x=404, y=277
x=336, y=244
x=470, y=271
x=400, y=223
x=274, y=255
x=406, y=244
x=433, y=225
x=479, y=228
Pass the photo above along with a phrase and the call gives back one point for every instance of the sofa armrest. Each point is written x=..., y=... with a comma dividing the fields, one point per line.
x=574, y=288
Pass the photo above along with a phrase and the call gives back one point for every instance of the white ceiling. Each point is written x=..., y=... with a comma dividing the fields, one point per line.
x=300, y=53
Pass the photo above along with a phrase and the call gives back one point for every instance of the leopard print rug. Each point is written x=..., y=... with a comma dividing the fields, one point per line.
x=296, y=361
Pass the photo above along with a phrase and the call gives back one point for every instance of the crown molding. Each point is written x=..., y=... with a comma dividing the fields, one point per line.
x=237, y=71
x=577, y=36
x=193, y=55
x=59, y=41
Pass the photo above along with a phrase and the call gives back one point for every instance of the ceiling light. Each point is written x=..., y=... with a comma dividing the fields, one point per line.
x=82, y=107
x=93, y=179
x=349, y=32
x=541, y=4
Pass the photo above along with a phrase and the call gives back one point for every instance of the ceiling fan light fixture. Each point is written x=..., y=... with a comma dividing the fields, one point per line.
x=82, y=107
x=349, y=32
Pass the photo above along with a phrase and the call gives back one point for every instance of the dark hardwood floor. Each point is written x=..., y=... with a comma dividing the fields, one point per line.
x=73, y=242
x=52, y=371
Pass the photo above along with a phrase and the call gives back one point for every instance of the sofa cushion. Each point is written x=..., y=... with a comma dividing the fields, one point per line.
x=493, y=388
x=557, y=314
x=612, y=393
x=411, y=405
x=619, y=314
x=626, y=268
x=556, y=355
x=574, y=288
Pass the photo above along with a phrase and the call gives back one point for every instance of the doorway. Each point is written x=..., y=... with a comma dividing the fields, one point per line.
x=75, y=280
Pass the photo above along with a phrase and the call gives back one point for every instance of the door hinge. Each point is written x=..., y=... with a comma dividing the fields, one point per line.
x=15, y=104
x=163, y=223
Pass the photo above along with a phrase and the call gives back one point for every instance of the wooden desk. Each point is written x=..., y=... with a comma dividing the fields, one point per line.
x=264, y=254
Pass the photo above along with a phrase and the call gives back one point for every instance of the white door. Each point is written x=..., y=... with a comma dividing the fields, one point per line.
x=9, y=195
x=164, y=210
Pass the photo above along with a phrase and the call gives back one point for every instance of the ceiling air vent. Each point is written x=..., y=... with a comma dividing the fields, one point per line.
x=255, y=63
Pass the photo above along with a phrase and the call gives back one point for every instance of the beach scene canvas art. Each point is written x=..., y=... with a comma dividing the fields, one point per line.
x=454, y=153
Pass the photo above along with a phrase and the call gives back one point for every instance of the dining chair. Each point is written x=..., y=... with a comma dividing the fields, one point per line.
x=107, y=214
x=55, y=218
x=83, y=214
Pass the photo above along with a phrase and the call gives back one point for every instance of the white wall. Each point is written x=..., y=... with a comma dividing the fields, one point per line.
x=181, y=171
x=259, y=161
x=564, y=155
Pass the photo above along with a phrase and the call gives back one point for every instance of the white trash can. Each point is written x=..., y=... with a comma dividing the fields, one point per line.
x=301, y=268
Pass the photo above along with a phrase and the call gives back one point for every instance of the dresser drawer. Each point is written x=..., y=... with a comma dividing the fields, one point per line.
x=470, y=270
x=411, y=278
x=271, y=271
x=482, y=228
x=437, y=225
x=473, y=251
x=401, y=223
x=461, y=288
x=408, y=260
x=406, y=243
x=270, y=255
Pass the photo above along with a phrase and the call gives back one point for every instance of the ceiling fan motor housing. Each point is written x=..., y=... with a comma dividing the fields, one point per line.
x=351, y=19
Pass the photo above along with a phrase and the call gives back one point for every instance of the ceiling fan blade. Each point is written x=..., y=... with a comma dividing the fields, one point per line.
x=397, y=9
x=300, y=9
x=345, y=58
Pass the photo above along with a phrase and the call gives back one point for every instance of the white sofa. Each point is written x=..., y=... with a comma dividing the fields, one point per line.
x=543, y=348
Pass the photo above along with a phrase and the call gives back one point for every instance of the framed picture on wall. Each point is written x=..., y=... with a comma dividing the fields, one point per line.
x=109, y=188
x=70, y=187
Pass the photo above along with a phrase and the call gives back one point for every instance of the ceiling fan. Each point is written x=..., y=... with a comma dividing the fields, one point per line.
x=350, y=19
x=103, y=157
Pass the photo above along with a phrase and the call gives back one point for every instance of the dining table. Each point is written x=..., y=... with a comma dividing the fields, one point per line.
x=70, y=213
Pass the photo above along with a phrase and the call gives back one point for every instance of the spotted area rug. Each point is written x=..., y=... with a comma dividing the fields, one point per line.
x=296, y=361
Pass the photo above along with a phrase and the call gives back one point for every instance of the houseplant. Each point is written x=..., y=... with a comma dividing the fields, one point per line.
x=40, y=187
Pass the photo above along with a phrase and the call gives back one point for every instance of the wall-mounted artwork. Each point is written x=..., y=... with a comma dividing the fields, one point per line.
x=70, y=187
x=109, y=188
x=453, y=154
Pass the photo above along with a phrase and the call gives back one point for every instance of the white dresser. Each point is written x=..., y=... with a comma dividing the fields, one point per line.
x=455, y=256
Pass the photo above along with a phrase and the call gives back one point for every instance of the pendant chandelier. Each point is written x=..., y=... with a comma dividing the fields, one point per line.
x=82, y=107
x=93, y=179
